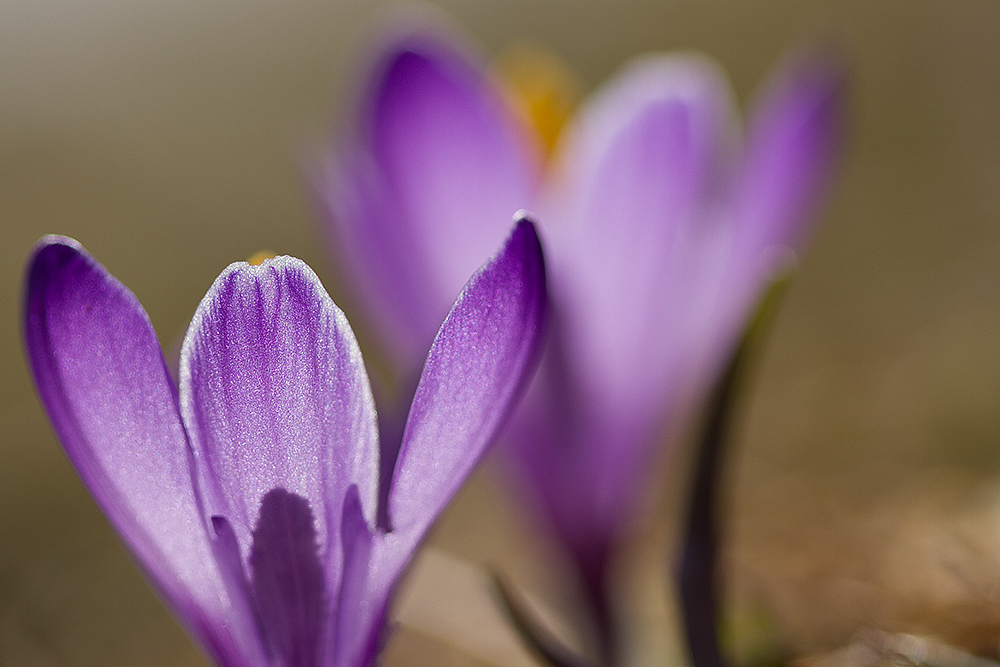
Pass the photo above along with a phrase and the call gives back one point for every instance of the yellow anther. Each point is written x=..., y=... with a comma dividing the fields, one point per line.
x=258, y=257
x=540, y=88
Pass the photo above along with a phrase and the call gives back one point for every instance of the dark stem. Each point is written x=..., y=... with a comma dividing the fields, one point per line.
x=540, y=639
x=697, y=574
x=594, y=575
x=535, y=635
x=698, y=570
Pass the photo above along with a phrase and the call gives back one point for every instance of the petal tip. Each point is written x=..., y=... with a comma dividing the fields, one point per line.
x=525, y=245
x=53, y=252
x=57, y=240
x=813, y=80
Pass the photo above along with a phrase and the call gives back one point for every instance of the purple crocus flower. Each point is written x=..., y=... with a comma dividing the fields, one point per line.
x=662, y=230
x=249, y=494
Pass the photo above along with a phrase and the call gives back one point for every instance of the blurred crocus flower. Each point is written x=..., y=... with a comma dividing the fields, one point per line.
x=662, y=230
x=249, y=495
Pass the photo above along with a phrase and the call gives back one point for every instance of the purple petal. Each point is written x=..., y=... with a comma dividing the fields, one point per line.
x=102, y=378
x=793, y=139
x=358, y=621
x=276, y=400
x=636, y=248
x=425, y=189
x=243, y=609
x=657, y=264
x=481, y=357
x=647, y=156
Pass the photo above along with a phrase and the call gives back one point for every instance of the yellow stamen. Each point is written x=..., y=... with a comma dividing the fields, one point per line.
x=258, y=257
x=541, y=89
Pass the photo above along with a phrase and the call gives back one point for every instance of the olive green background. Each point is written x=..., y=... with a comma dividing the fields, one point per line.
x=167, y=136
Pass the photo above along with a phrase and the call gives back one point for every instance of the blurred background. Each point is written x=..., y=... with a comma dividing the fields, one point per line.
x=864, y=485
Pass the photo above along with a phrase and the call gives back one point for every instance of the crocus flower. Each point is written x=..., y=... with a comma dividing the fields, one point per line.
x=248, y=495
x=662, y=230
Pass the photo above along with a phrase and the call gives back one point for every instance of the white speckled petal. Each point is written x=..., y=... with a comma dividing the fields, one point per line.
x=102, y=378
x=277, y=403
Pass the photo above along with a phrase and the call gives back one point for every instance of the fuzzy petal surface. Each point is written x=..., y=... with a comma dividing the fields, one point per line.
x=475, y=371
x=281, y=419
x=102, y=378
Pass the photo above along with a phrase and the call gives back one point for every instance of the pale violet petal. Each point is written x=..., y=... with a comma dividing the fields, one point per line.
x=102, y=378
x=636, y=246
x=278, y=406
x=424, y=188
x=359, y=617
x=482, y=356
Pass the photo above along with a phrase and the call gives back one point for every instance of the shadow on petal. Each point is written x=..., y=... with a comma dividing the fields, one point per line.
x=287, y=578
